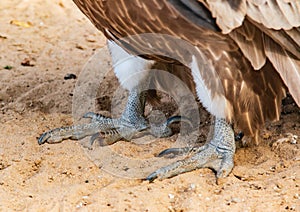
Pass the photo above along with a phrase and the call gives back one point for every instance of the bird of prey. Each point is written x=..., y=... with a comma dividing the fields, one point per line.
x=240, y=57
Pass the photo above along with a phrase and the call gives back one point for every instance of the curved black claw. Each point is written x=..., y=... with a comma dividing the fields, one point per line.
x=95, y=137
x=173, y=152
x=43, y=138
x=239, y=136
x=164, y=129
x=177, y=119
x=151, y=177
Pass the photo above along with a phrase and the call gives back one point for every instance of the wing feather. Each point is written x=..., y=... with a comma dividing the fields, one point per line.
x=294, y=34
x=285, y=38
x=220, y=10
x=249, y=39
x=265, y=29
x=273, y=14
x=286, y=65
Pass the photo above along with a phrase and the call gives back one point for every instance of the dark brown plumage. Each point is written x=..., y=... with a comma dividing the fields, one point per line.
x=253, y=45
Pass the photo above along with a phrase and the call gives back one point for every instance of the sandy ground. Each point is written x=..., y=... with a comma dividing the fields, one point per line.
x=43, y=41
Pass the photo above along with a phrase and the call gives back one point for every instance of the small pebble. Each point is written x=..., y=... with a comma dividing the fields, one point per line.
x=279, y=185
x=217, y=191
x=276, y=188
x=79, y=205
x=27, y=62
x=273, y=168
x=192, y=186
x=70, y=76
x=266, y=135
x=8, y=67
x=235, y=200
x=294, y=139
x=291, y=208
x=171, y=209
x=171, y=196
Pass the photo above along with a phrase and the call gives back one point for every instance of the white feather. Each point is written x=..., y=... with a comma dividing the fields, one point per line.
x=130, y=70
x=215, y=105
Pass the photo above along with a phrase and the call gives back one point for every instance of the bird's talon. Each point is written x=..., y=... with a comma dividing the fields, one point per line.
x=43, y=139
x=94, y=138
x=152, y=177
x=173, y=152
x=177, y=119
x=239, y=136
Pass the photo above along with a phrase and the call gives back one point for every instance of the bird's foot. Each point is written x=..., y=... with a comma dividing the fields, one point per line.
x=107, y=130
x=217, y=154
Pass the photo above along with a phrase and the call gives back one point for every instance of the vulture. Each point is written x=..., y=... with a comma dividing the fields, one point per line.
x=240, y=57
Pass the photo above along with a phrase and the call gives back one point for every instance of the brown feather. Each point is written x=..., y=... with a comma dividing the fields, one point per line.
x=250, y=41
x=273, y=14
x=287, y=66
x=279, y=14
x=220, y=10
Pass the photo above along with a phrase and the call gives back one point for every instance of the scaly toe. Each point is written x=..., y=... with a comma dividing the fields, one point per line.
x=207, y=156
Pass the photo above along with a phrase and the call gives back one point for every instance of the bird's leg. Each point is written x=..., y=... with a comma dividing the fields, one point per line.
x=217, y=154
x=108, y=130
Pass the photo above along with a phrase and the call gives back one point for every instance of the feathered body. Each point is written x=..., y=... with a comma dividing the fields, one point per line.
x=252, y=47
